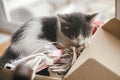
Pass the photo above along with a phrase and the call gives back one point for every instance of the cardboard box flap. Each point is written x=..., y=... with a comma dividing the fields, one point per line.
x=113, y=26
x=39, y=77
x=5, y=74
x=92, y=70
x=104, y=48
x=9, y=73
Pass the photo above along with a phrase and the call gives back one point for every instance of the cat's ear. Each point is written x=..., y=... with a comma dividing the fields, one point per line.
x=91, y=17
x=61, y=18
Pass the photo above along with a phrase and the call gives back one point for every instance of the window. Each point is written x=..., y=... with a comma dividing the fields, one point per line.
x=14, y=13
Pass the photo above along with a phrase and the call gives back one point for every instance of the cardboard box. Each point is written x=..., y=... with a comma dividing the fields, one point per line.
x=101, y=61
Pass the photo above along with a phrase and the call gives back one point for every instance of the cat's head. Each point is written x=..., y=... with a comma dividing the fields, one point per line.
x=77, y=27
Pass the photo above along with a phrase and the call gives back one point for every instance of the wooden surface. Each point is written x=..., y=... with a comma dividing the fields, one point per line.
x=3, y=47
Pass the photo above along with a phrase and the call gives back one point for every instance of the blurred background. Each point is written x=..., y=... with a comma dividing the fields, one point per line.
x=14, y=13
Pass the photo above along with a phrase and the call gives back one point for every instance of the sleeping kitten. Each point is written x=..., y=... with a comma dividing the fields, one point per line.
x=72, y=29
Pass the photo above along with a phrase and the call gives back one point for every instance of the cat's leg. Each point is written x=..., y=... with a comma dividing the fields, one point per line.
x=87, y=42
x=7, y=57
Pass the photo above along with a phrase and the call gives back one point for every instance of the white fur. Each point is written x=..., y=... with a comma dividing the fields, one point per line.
x=83, y=41
x=30, y=43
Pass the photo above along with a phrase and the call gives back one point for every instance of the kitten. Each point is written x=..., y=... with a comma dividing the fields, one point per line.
x=72, y=29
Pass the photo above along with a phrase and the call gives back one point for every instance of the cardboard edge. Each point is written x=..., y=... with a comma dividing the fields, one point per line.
x=112, y=26
x=84, y=70
x=9, y=73
x=40, y=77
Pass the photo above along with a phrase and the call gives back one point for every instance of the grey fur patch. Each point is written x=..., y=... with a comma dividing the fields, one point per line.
x=49, y=28
x=76, y=23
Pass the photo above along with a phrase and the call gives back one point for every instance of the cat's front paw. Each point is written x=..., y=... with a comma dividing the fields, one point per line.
x=86, y=45
x=86, y=42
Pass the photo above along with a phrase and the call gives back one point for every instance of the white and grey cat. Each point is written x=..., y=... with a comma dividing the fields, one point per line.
x=72, y=29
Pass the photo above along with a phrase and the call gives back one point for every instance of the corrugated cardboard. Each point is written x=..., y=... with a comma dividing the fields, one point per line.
x=39, y=77
x=113, y=27
x=92, y=70
x=6, y=74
